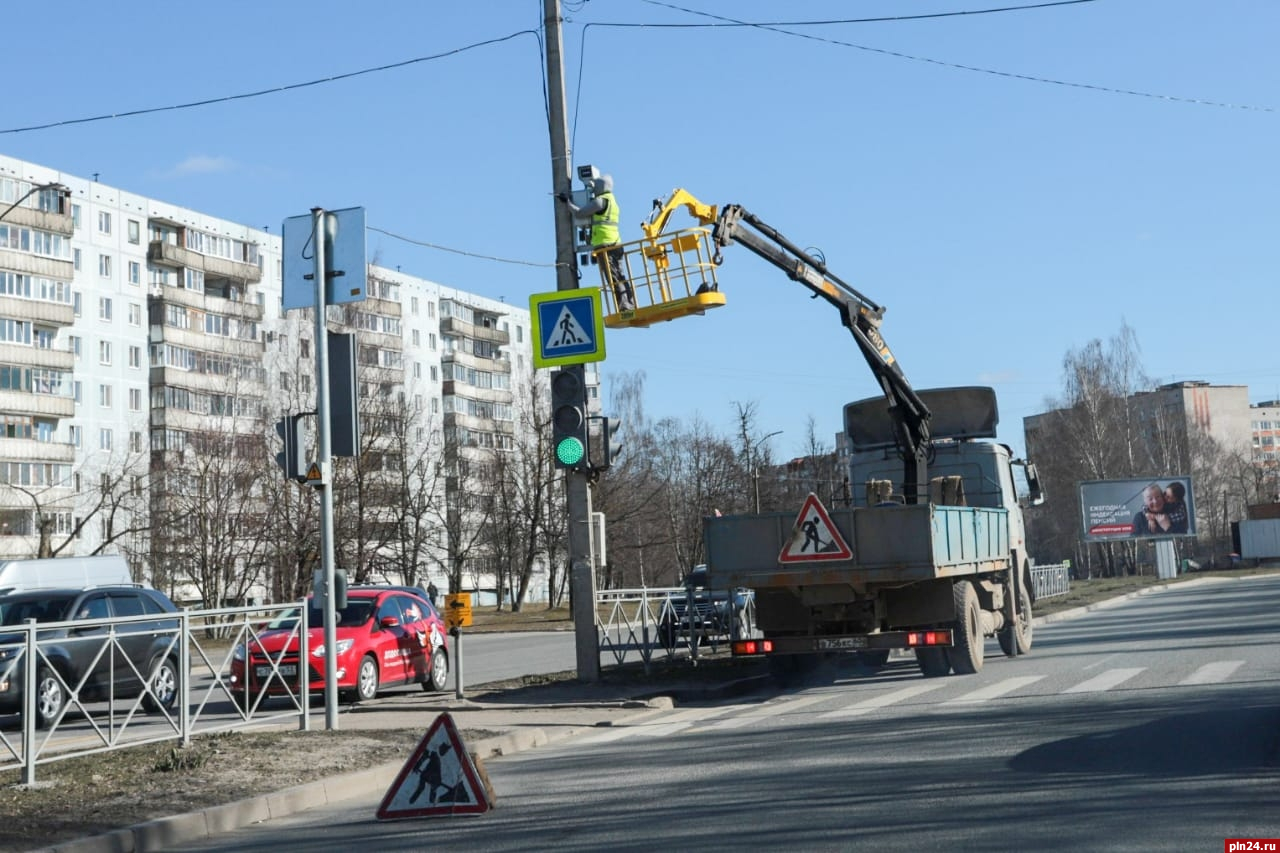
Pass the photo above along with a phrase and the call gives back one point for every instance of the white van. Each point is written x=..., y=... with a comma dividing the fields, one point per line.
x=63, y=572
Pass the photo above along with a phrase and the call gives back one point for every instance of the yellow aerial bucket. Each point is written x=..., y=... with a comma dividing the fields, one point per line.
x=672, y=275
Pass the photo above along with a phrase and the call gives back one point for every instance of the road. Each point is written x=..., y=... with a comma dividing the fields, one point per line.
x=1151, y=725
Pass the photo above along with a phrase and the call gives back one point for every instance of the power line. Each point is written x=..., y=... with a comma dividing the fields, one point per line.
x=459, y=251
x=272, y=91
x=776, y=27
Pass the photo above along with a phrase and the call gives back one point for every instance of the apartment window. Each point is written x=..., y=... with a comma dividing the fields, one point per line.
x=75, y=302
x=75, y=215
x=135, y=356
x=304, y=346
x=76, y=435
x=104, y=396
x=104, y=266
x=417, y=338
x=135, y=314
x=417, y=370
x=135, y=272
x=435, y=373
x=135, y=232
x=431, y=340
x=73, y=342
x=413, y=305
x=135, y=399
x=104, y=352
x=104, y=439
x=431, y=309
x=135, y=444
x=104, y=307
x=519, y=334
x=76, y=390
x=75, y=258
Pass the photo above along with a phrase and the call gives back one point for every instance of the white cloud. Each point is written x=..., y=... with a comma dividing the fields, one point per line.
x=201, y=164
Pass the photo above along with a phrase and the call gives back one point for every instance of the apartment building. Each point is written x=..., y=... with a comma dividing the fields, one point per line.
x=138, y=338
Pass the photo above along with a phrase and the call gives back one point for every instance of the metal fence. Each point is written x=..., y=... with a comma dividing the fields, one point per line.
x=1048, y=581
x=116, y=700
x=647, y=622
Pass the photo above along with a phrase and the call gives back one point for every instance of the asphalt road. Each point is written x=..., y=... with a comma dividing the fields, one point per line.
x=1152, y=725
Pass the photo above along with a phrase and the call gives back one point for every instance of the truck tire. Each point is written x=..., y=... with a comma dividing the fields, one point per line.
x=967, y=651
x=933, y=661
x=1022, y=627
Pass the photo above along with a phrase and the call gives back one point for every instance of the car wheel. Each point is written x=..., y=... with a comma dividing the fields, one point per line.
x=367, y=680
x=51, y=697
x=164, y=686
x=438, y=676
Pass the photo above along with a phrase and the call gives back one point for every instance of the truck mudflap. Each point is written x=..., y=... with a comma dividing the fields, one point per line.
x=760, y=646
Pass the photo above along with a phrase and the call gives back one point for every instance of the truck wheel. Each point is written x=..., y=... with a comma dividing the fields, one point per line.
x=966, y=653
x=933, y=662
x=1022, y=627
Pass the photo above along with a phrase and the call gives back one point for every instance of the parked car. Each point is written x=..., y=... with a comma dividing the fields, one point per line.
x=714, y=614
x=386, y=636
x=82, y=659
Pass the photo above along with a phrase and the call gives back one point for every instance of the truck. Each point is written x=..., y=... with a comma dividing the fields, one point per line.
x=930, y=553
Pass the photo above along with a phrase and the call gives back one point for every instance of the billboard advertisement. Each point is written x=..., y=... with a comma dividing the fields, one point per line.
x=1116, y=510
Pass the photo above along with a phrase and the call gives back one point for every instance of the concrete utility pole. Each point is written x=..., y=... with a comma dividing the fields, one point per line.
x=577, y=489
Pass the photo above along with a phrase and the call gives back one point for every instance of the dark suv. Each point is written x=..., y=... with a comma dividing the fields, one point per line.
x=82, y=659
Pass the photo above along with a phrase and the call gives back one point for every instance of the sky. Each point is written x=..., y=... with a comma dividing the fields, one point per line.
x=1010, y=185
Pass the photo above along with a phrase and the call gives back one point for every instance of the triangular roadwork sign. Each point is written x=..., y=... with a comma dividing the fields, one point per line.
x=439, y=779
x=814, y=537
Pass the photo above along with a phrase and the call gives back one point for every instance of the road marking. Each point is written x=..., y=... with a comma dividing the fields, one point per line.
x=1099, y=662
x=1105, y=681
x=769, y=709
x=653, y=725
x=866, y=706
x=993, y=691
x=1213, y=673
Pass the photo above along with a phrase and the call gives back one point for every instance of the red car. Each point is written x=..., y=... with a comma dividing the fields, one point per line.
x=386, y=636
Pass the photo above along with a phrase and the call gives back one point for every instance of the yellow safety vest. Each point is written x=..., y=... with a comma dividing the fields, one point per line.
x=604, y=225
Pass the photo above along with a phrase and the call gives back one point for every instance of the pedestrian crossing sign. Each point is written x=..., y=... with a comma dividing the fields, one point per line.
x=440, y=779
x=568, y=327
x=814, y=537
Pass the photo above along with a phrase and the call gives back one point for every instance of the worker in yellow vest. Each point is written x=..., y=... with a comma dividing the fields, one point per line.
x=603, y=214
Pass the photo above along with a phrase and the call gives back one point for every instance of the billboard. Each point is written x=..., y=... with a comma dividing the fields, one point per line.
x=1116, y=510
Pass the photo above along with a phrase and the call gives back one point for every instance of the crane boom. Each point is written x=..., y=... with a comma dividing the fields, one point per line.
x=860, y=316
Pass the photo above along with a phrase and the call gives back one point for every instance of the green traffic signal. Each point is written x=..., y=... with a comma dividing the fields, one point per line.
x=569, y=451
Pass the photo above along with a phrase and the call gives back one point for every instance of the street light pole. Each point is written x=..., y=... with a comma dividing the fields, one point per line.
x=755, y=465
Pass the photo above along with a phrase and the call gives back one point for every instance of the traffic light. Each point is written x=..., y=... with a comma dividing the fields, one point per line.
x=602, y=442
x=294, y=458
x=569, y=417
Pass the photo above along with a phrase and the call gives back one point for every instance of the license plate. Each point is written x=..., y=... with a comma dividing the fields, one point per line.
x=843, y=643
x=285, y=669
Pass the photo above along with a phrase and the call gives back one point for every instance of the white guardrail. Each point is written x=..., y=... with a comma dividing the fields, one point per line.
x=193, y=647
x=651, y=621
x=1048, y=581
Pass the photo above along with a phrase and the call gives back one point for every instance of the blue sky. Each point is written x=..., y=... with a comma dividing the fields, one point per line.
x=1108, y=162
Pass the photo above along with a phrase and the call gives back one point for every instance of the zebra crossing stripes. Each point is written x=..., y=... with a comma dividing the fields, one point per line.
x=769, y=709
x=866, y=706
x=993, y=691
x=1213, y=673
x=1105, y=680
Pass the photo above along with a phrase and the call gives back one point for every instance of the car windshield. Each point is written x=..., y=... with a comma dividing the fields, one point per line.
x=45, y=609
x=357, y=612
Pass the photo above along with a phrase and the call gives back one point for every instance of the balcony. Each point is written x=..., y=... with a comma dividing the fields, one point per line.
x=24, y=356
x=45, y=220
x=30, y=450
x=37, y=310
x=461, y=328
x=40, y=405
x=164, y=253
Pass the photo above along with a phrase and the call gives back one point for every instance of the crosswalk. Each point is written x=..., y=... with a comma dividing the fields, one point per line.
x=852, y=704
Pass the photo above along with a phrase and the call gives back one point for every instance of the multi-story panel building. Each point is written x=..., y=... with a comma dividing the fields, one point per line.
x=137, y=337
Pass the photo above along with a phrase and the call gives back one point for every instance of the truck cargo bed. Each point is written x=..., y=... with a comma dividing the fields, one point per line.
x=889, y=544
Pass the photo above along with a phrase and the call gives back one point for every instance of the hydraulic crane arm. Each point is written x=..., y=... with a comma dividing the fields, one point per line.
x=860, y=316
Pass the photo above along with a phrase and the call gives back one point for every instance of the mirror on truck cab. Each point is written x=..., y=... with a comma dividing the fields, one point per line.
x=1035, y=494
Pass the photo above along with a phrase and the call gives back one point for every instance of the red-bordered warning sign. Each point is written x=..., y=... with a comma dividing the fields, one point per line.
x=814, y=537
x=438, y=780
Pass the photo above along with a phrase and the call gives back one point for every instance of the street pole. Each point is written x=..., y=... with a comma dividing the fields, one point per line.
x=325, y=461
x=582, y=583
x=755, y=464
